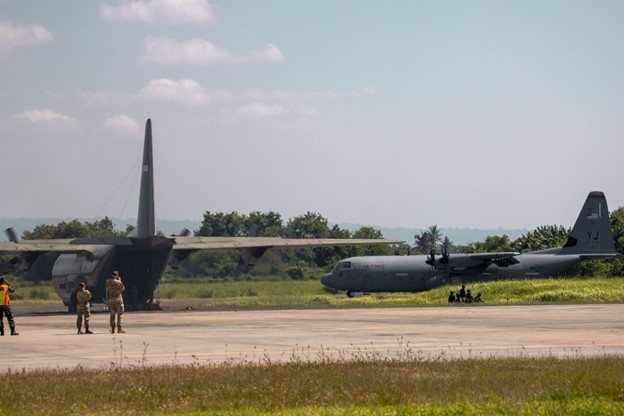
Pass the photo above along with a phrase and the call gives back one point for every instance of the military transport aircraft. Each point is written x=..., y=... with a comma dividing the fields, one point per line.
x=590, y=238
x=142, y=256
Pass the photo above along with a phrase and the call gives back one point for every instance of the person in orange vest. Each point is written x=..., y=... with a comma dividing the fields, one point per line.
x=5, y=306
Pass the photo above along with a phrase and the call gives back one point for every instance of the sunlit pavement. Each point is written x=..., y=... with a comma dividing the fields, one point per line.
x=191, y=337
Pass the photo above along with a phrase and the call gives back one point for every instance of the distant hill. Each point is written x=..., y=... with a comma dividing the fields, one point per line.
x=459, y=236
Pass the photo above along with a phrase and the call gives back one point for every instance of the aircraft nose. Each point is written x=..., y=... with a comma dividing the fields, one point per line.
x=327, y=279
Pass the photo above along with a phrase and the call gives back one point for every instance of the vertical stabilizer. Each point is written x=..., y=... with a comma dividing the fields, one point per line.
x=146, y=221
x=592, y=231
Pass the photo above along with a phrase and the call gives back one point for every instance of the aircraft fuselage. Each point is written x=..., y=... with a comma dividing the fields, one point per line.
x=413, y=274
x=140, y=265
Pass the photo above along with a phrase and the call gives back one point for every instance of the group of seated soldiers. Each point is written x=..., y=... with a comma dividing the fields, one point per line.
x=464, y=296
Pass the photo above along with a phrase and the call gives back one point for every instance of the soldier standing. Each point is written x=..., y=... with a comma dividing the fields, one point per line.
x=114, y=289
x=5, y=306
x=83, y=309
x=462, y=293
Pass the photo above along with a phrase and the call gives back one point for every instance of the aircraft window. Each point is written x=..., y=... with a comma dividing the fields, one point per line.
x=346, y=264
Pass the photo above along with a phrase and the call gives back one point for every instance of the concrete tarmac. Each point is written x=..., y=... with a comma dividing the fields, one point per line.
x=49, y=340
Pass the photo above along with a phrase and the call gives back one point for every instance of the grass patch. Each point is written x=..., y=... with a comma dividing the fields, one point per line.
x=311, y=294
x=356, y=386
x=229, y=295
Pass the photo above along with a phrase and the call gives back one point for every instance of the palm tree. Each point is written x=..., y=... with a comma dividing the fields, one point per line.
x=435, y=235
x=446, y=246
x=427, y=241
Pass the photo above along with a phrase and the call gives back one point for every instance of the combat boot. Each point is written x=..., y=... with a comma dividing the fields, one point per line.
x=2, y=332
x=79, y=329
x=120, y=330
x=87, y=330
x=14, y=332
x=112, y=329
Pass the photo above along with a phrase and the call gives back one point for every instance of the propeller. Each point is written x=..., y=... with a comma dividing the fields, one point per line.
x=445, y=255
x=12, y=236
x=431, y=258
x=445, y=258
x=177, y=257
x=249, y=256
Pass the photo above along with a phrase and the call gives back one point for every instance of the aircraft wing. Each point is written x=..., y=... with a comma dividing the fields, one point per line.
x=502, y=259
x=223, y=243
x=45, y=246
x=252, y=248
x=77, y=245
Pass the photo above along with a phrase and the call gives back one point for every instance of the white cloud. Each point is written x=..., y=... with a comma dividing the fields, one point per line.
x=167, y=51
x=269, y=53
x=123, y=125
x=276, y=108
x=184, y=91
x=14, y=36
x=160, y=12
x=40, y=116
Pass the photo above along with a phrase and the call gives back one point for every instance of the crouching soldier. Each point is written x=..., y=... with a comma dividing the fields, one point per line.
x=114, y=289
x=83, y=309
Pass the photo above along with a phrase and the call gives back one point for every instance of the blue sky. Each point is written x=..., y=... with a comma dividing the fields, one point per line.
x=475, y=114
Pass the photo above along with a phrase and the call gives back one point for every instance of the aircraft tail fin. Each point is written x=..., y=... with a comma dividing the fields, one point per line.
x=591, y=234
x=146, y=220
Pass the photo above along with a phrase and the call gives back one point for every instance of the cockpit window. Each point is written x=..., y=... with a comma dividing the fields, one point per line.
x=345, y=265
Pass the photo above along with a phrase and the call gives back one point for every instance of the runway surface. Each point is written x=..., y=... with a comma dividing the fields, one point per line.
x=49, y=340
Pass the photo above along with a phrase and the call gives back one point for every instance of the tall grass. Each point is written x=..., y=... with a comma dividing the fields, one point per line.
x=361, y=386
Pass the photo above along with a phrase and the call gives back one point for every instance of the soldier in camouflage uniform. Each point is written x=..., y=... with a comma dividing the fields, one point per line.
x=114, y=289
x=83, y=309
x=5, y=306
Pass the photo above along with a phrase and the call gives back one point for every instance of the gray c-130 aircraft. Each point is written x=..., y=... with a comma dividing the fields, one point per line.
x=142, y=256
x=591, y=238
